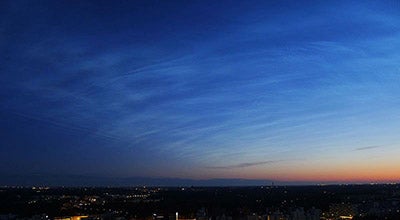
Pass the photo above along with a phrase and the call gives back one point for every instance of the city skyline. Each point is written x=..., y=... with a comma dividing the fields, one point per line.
x=284, y=91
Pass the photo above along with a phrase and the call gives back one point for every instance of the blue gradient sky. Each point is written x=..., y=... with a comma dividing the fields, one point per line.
x=298, y=91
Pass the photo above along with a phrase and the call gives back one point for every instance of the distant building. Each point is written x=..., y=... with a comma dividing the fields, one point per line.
x=297, y=214
x=342, y=211
x=201, y=214
x=313, y=214
x=71, y=217
x=276, y=216
x=252, y=217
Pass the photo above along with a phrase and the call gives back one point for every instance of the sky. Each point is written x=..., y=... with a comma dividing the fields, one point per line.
x=281, y=90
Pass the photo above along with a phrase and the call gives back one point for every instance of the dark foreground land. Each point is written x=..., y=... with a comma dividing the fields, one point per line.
x=203, y=203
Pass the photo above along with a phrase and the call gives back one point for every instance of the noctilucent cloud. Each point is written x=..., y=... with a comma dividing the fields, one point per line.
x=289, y=91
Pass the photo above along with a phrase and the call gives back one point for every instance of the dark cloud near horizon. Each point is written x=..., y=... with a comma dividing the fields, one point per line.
x=367, y=148
x=244, y=165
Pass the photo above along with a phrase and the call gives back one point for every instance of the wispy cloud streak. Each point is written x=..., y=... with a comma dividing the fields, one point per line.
x=367, y=148
x=244, y=165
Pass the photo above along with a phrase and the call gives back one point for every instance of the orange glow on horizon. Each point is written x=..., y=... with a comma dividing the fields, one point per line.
x=354, y=173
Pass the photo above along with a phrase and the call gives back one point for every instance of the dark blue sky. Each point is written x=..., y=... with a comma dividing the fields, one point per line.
x=288, y=90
